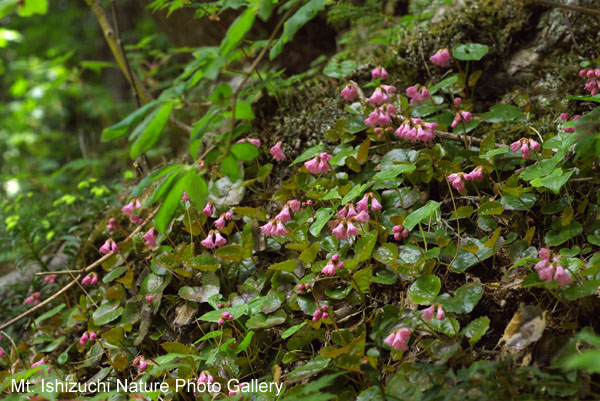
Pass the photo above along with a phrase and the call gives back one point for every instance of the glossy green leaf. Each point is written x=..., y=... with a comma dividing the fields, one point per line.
x=123, y=127
x=322, y=216
x=153, y=127
x=424, y=212
x=342, y=69
x=476, y=329
x=470, y=51
x=424, y=290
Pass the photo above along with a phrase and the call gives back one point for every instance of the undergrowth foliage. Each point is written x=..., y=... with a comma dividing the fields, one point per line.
x=375, y=271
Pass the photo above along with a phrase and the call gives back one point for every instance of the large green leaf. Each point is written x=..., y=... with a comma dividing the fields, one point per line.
x=153, y=127
x=470, y=51
x=503, y=113
x=238, y=29
x=424, y=290
x=307, y=12
x=173, y=198
x=123, y=127
x=421, y=214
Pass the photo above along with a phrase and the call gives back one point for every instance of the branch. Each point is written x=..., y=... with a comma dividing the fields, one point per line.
x=79, y=276
x=583, y=10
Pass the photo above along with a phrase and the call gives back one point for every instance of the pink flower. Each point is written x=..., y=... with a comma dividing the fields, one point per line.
x=544, y=253
x=112, y=225
x=349, y=92
x=253, y=141
x=416, y=96
x=208, y=241
x=340, y=231
x=351, y=230
x=398, y=339
x=219, y=240
x=128, y=208
x=312, y=165
x=207, y=211
x=143, y=365
x=475, y=175
x=277, y=153
x=375, y=205
x=149, y=299
x=90, y=279
x=379, y=72
x=378, y=97
x=38, y=363
x=317, y=315
x=534, y=145
x=280, y=229
x=185, y=197
x=50, y=279
x=362, y=217
x=546, y=274
x=136, y=219
x=415, y=129
x=363, y=204
x=1, y=352
x=220, y=222
x=294, y=205
x=109, y=246
x=318, y=164
x=284, y=215
x=150, y=238
x=268, y=228
x=515, y=146
x=328, y=270
x=562, y=277
x=84, y=338
x=564, y=116
x=457, y=182
x=440, y=314
x=441, y=58
x=427, y=314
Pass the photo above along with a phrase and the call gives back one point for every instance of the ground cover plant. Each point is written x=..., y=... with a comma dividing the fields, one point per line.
x=384, y=225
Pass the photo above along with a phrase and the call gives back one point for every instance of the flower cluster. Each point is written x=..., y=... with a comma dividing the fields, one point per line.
x=417, y=93
x=398, y=339
x=565, y=117
x=213, y=240
x=441, y=58
x=593, y=79
x=253, y=141
x=277, y=153
x=551, y=271
x=303, y=288
x=50, y=279
x=525, y=146
x=381, y=116
x=349, y=92
x=112, y=224
x=379, y=72
x=458, y=179
x=275, y=226
x=90, y=279
x=222, y=220
x=150, y=238
x=132, y=210
x=205, y=377
x=221, y=306
x=319, y=163
x=87, y=336
x=461, y=115
x=381, y=95
x=224, y=316
x=33, y=298
x=109, y=246
x=332, y=266
x=140, y=362
x=399, y=232
x=344, y=227
x=427, y=313
x=321, y=313
x=415, y=129
x=363, y=204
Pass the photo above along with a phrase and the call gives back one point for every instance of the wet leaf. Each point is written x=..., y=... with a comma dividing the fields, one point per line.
x=424, y=290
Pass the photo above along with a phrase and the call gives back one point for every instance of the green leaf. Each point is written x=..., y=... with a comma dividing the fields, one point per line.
x=362, y=279
x=491, y=208
x=421, y=214
x=238, y=29
x=365, y=245
x=153, y=127
x=244, y=151
x=309, y=254
x=354, y=192
x=466, y=259
x=394, y=171
x=286, y=266
x=245, y=342
x=424, y=290
x=107, y=312
x=309, y=369
x=173, y=199
x=262, y=321
x=559, y=235
x=114, y=274
x=309, y=153
x=307, y=12
x=289, y=332
x=215, y=315
x=155, y=175
x=49, y=314
x=28, y=8
x=339, y=70
x=476, y=329
x=322, y=216
x=243, y=111
x=465, y=298
x=123, y=127
x=542, y=168
x=503, y=113
x=577, y=291
x=469, y=51
x=554, y=181
x=386, y=254
x=229, y=166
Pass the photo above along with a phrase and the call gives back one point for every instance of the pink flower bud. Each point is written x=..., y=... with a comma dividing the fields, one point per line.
x=143, y=365
x=84, y=338
x=149, y=299
x=325, y=307
x=440, y=313
x=185, y=197
x=277, y=153
x=441, y=58
x=427, y=313
x=208, y=241
x=219, y=240
x=349, y=93
x=220, y=322
x=379, y=72
x=335, y=257
x=325, y=315
x=150, y=238
x=284, y=215
x=207, y=209
x=92, y=336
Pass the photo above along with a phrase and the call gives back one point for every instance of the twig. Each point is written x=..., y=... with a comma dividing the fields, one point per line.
x=77, y=278
x=566, y=17
x=57, y=272
x=113, y=6
x=583, y=10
